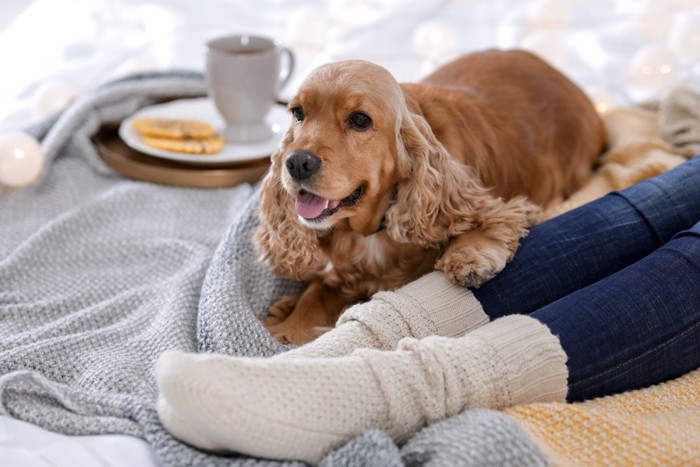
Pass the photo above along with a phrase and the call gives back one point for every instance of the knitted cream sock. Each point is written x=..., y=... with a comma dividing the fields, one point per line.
x=429, y=306
x=302, y=408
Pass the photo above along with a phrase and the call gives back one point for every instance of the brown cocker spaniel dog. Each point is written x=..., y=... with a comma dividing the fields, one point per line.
x=375, y=184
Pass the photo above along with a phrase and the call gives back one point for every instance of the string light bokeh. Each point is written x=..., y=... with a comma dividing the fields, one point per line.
x=620, y=52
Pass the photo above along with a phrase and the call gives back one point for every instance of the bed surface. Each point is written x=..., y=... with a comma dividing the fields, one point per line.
x=25, y=445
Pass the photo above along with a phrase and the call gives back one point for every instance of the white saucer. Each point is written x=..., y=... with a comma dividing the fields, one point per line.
x=203, y=109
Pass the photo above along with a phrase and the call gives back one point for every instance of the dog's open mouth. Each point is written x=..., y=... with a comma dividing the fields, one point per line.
x=313, y=207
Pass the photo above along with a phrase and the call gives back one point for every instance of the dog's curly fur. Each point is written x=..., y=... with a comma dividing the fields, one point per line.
x=445, y=167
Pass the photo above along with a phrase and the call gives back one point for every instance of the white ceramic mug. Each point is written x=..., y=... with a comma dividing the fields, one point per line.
x=244, y=75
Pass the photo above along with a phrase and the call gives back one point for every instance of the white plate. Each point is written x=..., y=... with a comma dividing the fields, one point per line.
x=203, y=109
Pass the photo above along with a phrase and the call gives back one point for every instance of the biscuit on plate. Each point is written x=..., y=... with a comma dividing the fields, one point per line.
x=190, y=146
x=170, y=128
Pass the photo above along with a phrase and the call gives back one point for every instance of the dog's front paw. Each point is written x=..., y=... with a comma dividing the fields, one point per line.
x=287, y=332
x=286, y=327
x=469, y=266
x=280, y=310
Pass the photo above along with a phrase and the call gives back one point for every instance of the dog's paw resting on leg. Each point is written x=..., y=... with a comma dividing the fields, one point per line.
x=474, y=257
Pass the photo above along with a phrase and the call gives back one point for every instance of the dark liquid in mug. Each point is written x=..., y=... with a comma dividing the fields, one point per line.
x=244, y=51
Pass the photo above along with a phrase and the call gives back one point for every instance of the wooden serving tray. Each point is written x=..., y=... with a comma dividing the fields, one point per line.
x=134, y=164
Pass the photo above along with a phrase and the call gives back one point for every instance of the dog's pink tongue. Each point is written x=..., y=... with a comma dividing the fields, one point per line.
x=309, y=205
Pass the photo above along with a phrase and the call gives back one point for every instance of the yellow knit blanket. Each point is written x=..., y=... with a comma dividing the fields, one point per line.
x=659, y=425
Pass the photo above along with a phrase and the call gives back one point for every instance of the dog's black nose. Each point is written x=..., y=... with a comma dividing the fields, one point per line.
x=302, y=164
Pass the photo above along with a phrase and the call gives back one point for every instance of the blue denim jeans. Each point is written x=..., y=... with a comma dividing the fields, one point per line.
x=637, y=327
x=600, y=277
x=580, y=247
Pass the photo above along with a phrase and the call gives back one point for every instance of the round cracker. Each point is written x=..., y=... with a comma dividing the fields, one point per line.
x=173, y=128
x=188, y=146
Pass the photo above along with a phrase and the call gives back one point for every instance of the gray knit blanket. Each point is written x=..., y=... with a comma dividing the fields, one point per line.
x=100, y=274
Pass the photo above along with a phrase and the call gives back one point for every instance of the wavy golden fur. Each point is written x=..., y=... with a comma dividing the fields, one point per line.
x=448, y=174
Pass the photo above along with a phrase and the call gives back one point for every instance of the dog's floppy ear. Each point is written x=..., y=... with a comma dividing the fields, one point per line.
x=289, y=248
x=441, y=198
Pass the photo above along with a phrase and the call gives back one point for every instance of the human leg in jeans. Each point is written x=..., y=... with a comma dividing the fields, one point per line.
x=639, y=326
x=587, y=244
x=559, y=257
x=635, y=328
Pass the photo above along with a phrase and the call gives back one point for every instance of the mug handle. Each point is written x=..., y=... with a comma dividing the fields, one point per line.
x=284, y=78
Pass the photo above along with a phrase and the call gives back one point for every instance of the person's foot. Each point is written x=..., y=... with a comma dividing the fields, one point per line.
x=303, y=408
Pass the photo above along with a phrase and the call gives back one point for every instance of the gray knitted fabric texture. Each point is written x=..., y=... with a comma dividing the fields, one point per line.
x=100, y=274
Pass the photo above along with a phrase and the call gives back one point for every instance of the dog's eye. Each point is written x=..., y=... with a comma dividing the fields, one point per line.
x=298, y=113
x=359, y=121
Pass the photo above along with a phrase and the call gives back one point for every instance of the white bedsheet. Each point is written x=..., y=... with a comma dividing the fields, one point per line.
x=25, y=445
x=55, y=50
